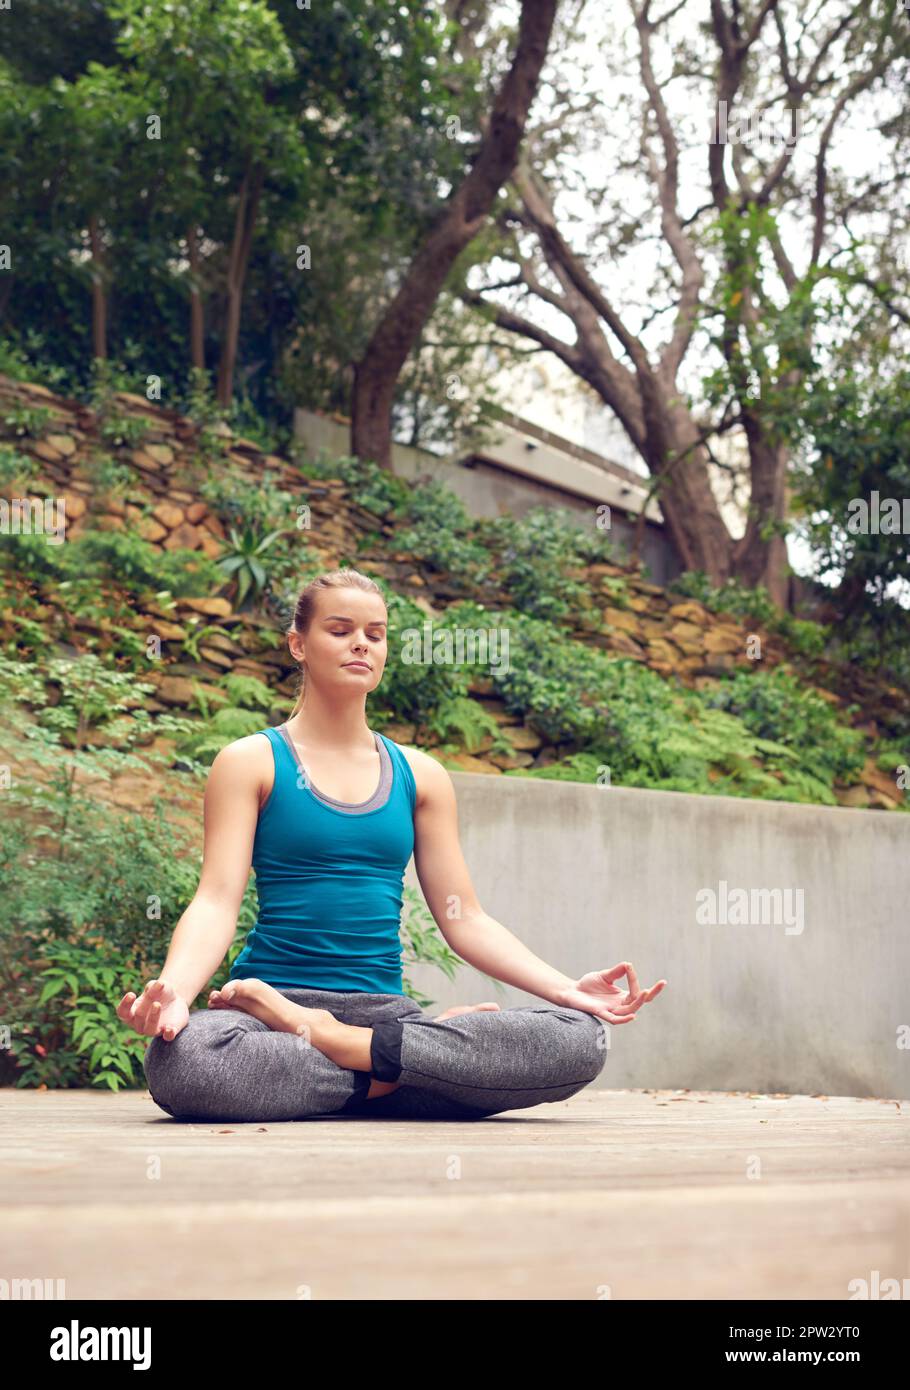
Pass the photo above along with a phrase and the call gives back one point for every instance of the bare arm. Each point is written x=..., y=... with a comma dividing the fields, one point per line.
x=482, y=941
x=206, y=928
x=452, y=899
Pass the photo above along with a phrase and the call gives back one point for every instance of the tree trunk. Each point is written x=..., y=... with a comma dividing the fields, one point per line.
x=376, y=374
x=197, y=311
x=687, y=500
x=244, y=225
x=99, y=299
x=759, y=559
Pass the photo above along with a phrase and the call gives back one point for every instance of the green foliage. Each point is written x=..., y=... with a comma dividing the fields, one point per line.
x=249, y=702
x=247, y=692
x=774, y=705
x=266, y=545
x=375, y=489
x=245, y=560
x=438, y=531
x=534, y=554
x=758, y=734
x=107, y=377
x=471, y=724
x=617, y=590
x=222, y=727
x=125, y=430
x=107, y=476
x=893, y=757
x=343, y=118
x=27, y=421
x=859, y=428
x=122, y=558
x=531, y=557
x=26, y=360
x=91, y=908
x=412, y=690
x=16, y=468
x=90, y=893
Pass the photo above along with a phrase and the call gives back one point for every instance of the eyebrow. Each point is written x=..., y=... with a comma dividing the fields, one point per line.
x=341, y=618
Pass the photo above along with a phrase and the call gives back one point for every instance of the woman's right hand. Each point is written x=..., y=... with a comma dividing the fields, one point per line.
x=159, y=1010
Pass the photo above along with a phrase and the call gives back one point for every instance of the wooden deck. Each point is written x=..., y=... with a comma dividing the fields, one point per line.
x=621, y=1194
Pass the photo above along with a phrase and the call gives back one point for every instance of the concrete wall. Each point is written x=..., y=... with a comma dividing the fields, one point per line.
x=488, y=490
x=590, y=876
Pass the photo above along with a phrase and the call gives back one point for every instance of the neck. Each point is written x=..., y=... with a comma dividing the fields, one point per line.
x=335, y=725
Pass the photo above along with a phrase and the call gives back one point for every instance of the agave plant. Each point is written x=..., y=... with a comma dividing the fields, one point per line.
x=243, y=562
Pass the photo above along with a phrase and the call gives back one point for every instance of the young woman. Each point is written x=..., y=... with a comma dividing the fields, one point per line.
x=313, y=1019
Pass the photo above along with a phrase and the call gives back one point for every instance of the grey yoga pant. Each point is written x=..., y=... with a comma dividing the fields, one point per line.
x=227, y=1065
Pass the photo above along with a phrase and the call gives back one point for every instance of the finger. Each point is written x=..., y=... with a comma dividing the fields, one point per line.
x=155, y=989
x=629, y=1005
x=615, y=972
x=123, y=1008
x=624, y=968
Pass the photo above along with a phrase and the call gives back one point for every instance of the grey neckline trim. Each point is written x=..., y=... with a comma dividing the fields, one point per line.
x=355, y=808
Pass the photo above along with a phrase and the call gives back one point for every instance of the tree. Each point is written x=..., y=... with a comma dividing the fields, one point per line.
x=744, y=237
x=459, y=220
x=235, y=133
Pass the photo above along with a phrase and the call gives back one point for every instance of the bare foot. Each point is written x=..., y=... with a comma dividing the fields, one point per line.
x=255, y=997
x=465, y=1009
x=342, y=1043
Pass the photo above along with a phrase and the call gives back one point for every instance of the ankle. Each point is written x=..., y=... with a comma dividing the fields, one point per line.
x=348, y=1046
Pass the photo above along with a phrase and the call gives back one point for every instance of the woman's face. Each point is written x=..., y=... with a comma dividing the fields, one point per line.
x=349, y=626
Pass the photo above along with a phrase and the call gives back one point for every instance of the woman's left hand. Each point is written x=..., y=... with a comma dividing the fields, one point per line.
x=595, y=993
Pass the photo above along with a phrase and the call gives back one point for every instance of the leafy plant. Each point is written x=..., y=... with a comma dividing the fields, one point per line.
x=119, y=557
x=16, y=468
x=222, y=727
x=28, y=421
x=437, y=530
x=775, y=706
x=471, y=723
x=245, y=562
x=107, y=475
x=125, y=430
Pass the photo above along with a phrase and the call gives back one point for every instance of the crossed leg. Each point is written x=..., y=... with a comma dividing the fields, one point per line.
x=230, y=1065
x=343, y=1042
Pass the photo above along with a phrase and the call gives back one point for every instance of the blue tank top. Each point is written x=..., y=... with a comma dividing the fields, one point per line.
x=329, y=879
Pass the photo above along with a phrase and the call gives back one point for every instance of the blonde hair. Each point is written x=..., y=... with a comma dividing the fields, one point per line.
x=305, y=608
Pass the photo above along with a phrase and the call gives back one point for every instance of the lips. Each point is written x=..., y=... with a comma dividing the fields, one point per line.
x=359, y=665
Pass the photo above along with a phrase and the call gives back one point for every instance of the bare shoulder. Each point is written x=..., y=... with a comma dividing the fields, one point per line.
x=430, y=777
x=244, y=763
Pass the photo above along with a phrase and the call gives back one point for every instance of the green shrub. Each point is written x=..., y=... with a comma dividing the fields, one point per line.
x=16, y=468
x=775, y=705
x=112, y=557
x=437, y=532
